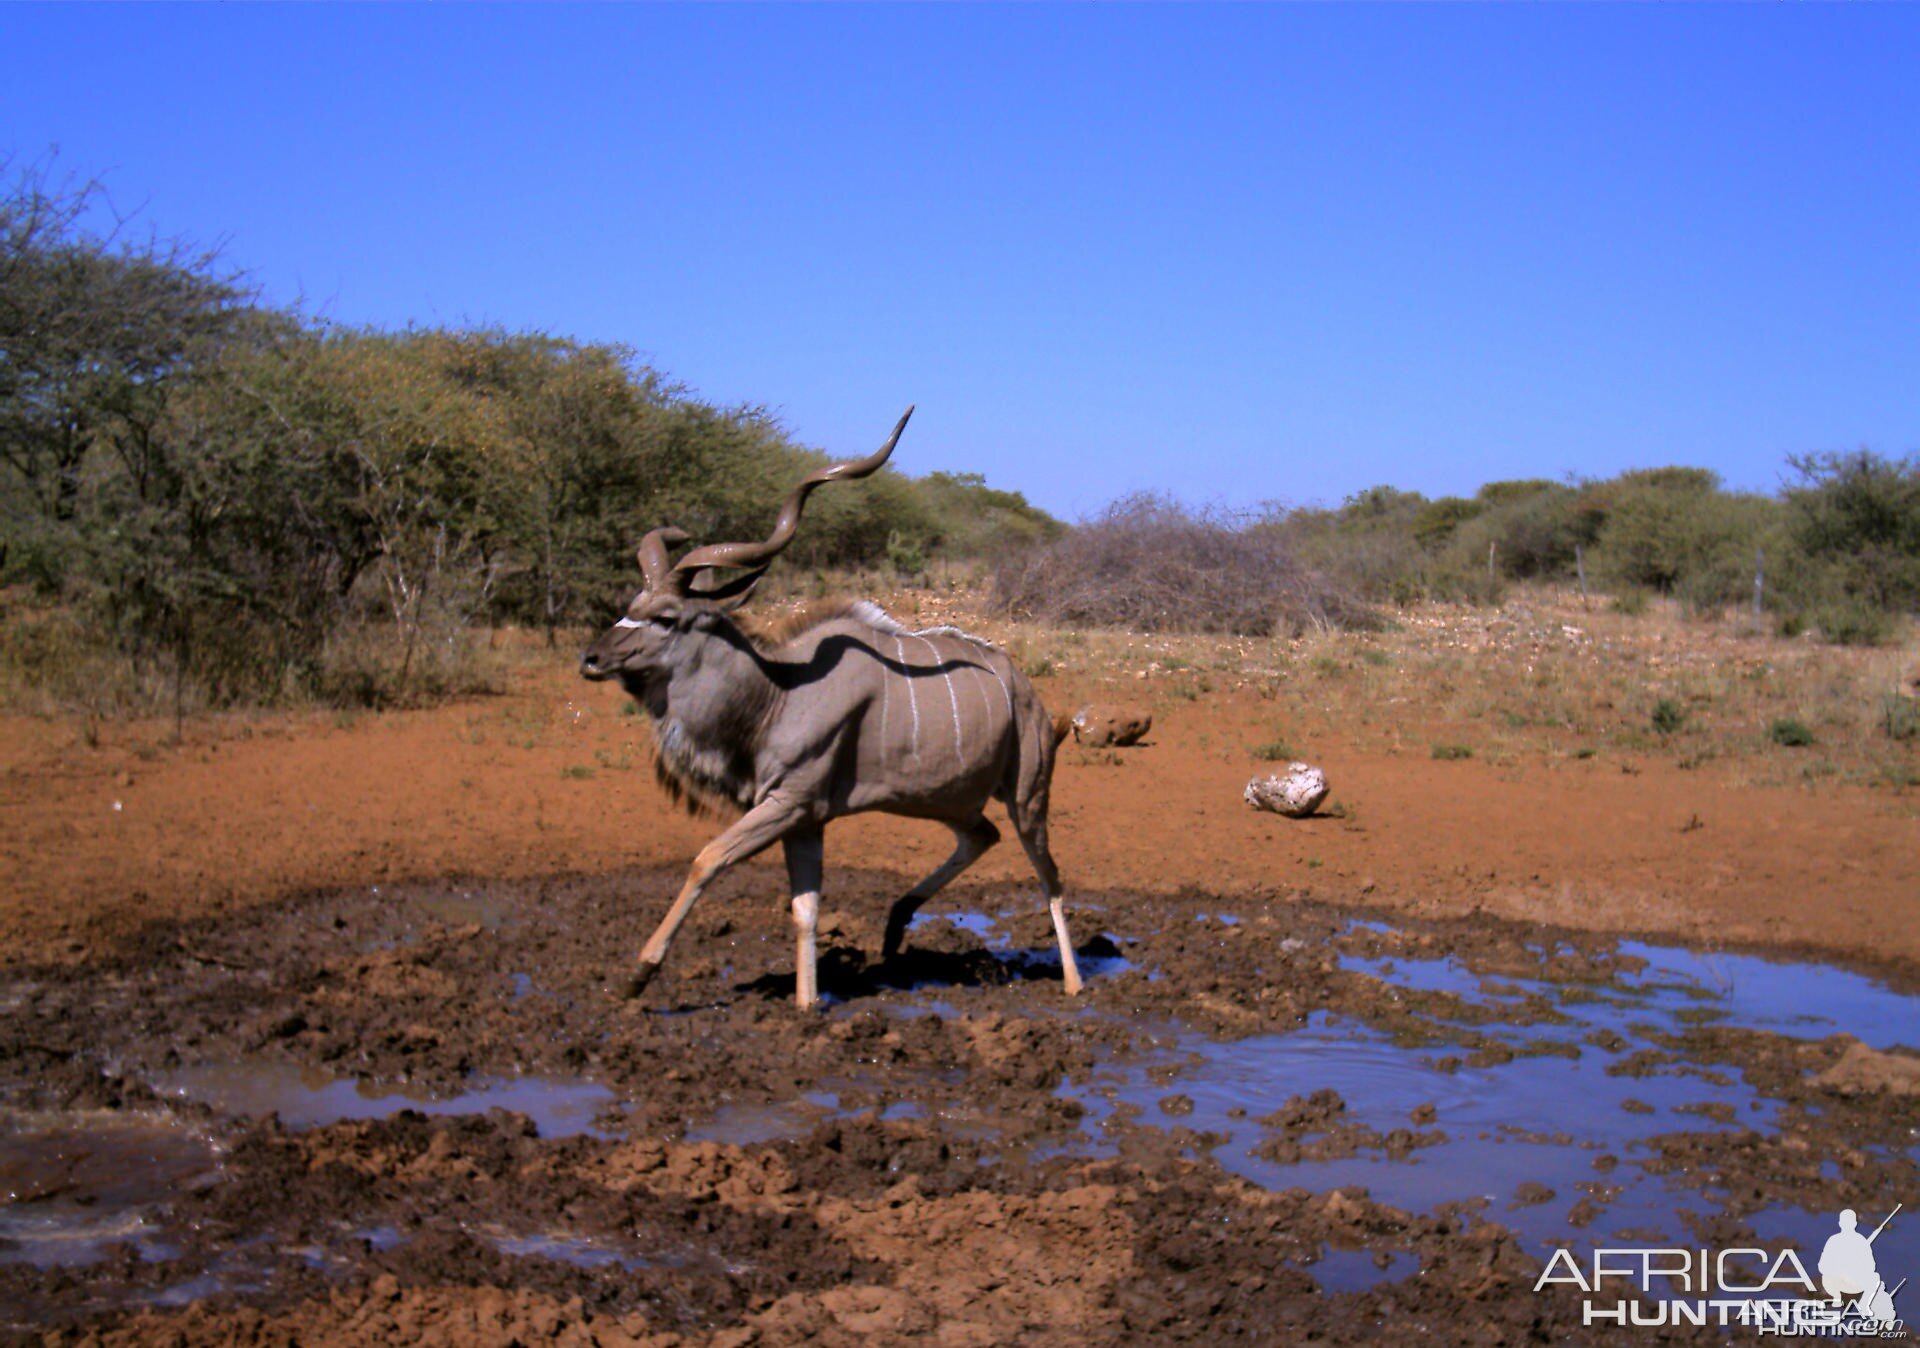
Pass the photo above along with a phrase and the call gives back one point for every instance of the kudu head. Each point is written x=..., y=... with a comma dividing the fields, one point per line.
x=680, y=599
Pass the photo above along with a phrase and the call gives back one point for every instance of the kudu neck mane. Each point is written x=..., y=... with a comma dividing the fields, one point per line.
x=770, y=633
x=704, y=752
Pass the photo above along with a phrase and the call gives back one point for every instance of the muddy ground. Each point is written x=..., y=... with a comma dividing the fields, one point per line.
x=953, y=1152
x=307, y=1031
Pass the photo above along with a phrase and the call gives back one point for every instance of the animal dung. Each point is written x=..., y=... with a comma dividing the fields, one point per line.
x=1098, y=726
x=1295, y=793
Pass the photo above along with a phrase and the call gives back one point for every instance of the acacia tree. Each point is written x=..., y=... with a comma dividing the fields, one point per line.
x=583, y=444
x=100, y=334
x=97, y=332
x=1857, y=519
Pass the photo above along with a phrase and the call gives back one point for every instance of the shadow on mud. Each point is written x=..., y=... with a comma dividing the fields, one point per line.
x=849, y=975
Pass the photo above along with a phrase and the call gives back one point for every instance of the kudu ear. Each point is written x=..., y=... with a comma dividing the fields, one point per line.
x=731, y=595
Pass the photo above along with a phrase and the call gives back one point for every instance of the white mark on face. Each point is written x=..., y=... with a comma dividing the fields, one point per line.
x=629, y=622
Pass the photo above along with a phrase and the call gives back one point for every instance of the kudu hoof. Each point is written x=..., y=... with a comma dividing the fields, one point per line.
x=637, y=984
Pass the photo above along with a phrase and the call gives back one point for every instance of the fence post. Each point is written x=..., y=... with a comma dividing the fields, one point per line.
x=1759, y=578
x=1580, y=566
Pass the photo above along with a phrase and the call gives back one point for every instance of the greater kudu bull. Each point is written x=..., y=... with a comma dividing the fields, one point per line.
x=852, y=712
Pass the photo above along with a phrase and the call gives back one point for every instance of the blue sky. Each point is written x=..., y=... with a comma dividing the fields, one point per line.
x=1239, y=253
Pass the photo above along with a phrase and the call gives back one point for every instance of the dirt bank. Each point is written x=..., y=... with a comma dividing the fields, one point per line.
x=552, y=780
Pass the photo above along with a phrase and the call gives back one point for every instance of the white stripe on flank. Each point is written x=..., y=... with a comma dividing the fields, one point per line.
x=913, y=697
x=886, y=692
x=953, y=699
x=982, y=672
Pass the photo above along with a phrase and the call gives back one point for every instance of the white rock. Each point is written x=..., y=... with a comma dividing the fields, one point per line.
x=1297, y=794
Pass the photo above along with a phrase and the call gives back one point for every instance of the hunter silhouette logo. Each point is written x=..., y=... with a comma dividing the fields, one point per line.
x=1651, y=1287
x=1850, y=1274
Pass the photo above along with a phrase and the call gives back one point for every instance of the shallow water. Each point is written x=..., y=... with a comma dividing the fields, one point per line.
x=1680, y=986
x=755, y=1125
x=75, y=1185
x=1541, y=1120
x=1356, y=1270
x=463, y=908
x=580, y=1251
x=1804, y=1001
x=306, y=1098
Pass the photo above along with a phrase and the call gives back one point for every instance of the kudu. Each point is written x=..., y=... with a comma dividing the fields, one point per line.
x=851, y=713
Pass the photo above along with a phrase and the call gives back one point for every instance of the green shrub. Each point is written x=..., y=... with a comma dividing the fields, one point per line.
x=1435, y=522
x=1853, y=622
x=1856, y=517
x=1466, y=584
x=1790, y=733
x=906, y=557
x=1452, y=752
x=973, y=520
x=1276, y=751
x=1671, y=530
x=1668, y=716
x=1513, y=491
x=1535, y=526
x=1900, y=716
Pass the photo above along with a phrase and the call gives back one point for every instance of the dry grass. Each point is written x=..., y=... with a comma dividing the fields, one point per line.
x=1539, y=677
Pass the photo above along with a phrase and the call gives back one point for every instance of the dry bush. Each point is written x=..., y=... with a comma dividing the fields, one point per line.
x=1153, y=565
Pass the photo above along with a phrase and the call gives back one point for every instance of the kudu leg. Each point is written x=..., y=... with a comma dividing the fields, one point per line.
x=970, y=841
x=804, y=851
x=752, y=833
x=1033, y=837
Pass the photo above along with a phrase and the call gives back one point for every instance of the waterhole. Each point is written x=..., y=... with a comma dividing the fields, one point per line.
x=1555, y=1113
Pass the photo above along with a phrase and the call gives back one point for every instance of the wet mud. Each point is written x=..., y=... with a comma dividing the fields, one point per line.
x=422, y=1113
